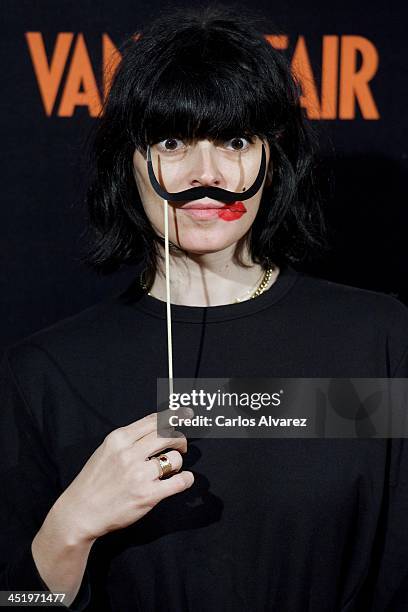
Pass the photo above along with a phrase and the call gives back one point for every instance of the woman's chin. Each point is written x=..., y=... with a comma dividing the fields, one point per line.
x=200, y=246
x=210, y=237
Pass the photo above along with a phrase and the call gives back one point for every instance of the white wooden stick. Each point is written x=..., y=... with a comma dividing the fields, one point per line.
x=168, y=302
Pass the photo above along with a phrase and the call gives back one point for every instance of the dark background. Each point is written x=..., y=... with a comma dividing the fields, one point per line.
x=43, y=178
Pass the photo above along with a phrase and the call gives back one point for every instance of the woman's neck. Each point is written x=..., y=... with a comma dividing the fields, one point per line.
x=209, y=279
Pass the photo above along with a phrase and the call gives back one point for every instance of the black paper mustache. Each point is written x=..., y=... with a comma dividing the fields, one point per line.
x=215, y=193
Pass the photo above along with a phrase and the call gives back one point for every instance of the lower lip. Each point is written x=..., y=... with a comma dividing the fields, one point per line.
x=227, y=213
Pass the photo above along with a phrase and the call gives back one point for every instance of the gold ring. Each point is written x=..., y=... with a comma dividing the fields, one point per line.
x=164, y=464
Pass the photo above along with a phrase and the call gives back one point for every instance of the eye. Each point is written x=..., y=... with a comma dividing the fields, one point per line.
x=170, y=144
x=237, y=144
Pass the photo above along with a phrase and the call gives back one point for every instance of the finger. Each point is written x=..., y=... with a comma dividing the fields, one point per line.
x=142, y=427
x=151, y=444
x=175, y=484
x=176, y=461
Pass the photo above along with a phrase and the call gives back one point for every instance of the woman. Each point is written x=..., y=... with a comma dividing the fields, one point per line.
x=238, y=524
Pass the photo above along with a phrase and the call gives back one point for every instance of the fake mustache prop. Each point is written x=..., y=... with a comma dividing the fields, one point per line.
x=215, y=193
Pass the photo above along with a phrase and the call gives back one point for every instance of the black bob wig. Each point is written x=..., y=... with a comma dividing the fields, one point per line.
x=195, y=74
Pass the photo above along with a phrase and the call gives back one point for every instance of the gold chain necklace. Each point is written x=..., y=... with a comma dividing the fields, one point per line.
x=264, y=282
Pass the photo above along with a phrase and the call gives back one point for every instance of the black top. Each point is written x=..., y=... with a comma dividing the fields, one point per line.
x=287, y=525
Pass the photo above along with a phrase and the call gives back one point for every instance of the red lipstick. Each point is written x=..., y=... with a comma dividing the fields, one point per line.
x=231, y=212
x=208, y=210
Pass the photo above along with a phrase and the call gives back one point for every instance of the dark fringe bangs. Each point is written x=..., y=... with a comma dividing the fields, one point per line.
x=200, y=101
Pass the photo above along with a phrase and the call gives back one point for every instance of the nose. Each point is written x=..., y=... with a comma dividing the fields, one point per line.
x=204, y=168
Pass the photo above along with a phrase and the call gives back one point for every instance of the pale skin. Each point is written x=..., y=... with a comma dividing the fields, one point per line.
x=118, y=485
x=208, y=274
